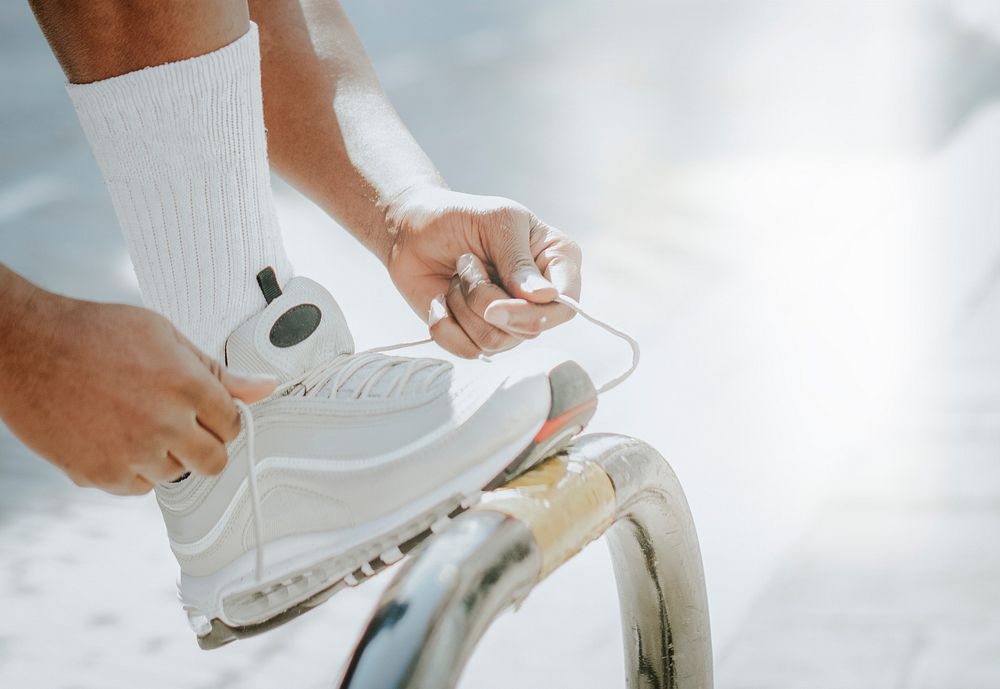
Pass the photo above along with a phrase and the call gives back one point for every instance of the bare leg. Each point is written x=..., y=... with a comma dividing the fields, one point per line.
x=99, y=39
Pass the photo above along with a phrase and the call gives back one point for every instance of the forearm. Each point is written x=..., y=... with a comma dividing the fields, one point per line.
x=16, y=295
x=332, y=132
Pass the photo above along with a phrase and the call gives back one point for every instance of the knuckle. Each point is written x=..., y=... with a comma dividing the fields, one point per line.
x=147, y=323
x=520, y=262
x=436, y=331
x=505, y=214
x=480, y=299
x=454, y=296
x=231, y=427
x=189, y=383
x=572, y=249
x=215, y=368
x=461, y=311
x=138, y=486
x=480, y=295
x=214, y=460
x=163, y=429
x=464, y=349
x=167, y=469
x=494, y=340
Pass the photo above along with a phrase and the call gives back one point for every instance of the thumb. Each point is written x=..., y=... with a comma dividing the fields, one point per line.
x=247, y=387
x=510, y=254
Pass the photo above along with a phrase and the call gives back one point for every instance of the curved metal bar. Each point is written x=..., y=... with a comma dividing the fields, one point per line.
x=657, y=563
x=441, y=602
x=444, y=597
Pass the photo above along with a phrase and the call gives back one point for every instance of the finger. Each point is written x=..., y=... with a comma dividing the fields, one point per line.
x=559, y=258
x=560, y=264
x=563, y=270
x=200, y=451
x=447, y=333
x=487, y=338
x=509, y=250
x=164, y=470
x=526, y=319
x=214, y=407
x=248, y=387
x=244, y=386
x=214, y=392
x=469, y=295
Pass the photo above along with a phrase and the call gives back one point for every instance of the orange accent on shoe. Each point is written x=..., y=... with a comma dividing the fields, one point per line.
x=556, y=423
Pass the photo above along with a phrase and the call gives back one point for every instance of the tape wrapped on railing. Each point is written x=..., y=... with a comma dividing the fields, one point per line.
x=566, y=504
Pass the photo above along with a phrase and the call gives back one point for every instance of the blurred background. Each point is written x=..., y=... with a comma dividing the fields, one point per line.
x=794, y=205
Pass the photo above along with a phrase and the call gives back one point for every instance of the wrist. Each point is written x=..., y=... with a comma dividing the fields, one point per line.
x=406, y=209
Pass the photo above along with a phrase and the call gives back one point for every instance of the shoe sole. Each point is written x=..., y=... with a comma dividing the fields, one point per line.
x=573, y=403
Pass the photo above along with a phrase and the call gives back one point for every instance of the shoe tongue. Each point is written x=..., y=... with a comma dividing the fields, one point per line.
x=300, y=326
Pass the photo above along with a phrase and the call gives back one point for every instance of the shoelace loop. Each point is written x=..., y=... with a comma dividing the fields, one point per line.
x=632, y=343
x=340, y=369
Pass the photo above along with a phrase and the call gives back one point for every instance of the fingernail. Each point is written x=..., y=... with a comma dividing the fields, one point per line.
x=496, y=316
x=257, y=377
x=437, y=312
x=533, y=282
x=465, y=261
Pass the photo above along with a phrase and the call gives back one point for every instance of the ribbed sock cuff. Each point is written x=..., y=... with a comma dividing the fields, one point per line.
x=183, y=151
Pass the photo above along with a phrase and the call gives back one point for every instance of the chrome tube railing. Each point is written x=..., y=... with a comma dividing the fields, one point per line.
x=443, y=599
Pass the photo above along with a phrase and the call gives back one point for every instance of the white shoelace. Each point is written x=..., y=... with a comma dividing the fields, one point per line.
x=632, y=343
x=340, y=369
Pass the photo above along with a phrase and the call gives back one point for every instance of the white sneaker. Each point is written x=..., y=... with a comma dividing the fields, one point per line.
x=354, y=458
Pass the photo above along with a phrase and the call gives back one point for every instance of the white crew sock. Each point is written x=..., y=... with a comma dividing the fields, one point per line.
x=183, y=151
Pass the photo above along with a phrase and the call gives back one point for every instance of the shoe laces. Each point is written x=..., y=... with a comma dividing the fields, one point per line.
x=340, y=369
x=334, y=374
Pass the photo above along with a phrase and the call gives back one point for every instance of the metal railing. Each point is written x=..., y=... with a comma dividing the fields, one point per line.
x=447, y=594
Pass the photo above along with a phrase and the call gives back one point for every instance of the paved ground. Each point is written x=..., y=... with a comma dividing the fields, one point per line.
x=791, y=204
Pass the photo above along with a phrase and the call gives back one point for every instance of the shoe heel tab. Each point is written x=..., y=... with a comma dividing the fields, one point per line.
x=267, y=280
